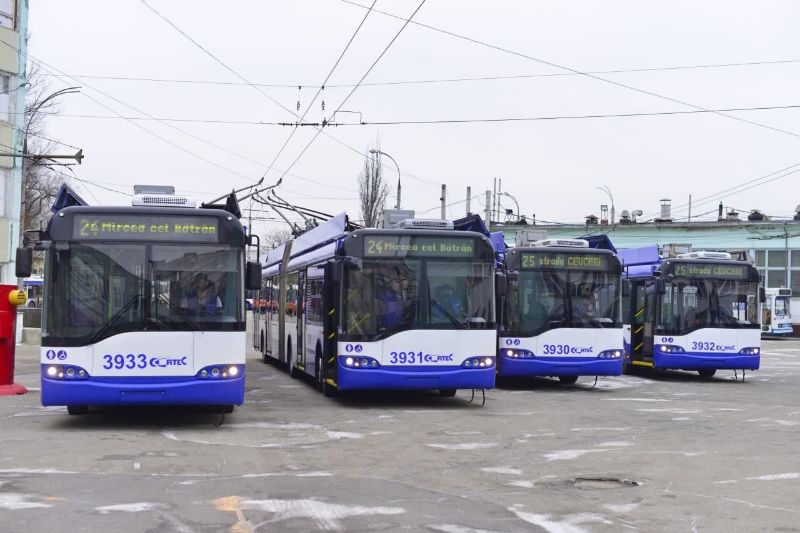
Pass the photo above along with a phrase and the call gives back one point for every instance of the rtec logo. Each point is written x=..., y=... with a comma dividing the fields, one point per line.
x=164, y=362
x=437, y=358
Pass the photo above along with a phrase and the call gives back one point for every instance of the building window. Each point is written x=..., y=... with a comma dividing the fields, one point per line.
x=772, y=265
x=7, y=14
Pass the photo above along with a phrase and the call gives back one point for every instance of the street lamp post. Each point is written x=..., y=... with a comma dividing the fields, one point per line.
x=606, y=190
x=398, y=173
x=26, y=155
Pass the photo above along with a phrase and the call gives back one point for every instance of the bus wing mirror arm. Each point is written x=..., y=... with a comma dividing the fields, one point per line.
x=762, y=294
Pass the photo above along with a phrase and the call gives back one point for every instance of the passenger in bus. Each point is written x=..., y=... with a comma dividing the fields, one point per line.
x=202, y=298
x=446, y=303
x=535, y=315
x=390, y=297
x=583, y=307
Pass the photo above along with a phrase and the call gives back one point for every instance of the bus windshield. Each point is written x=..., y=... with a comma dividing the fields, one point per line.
x=388, y=296
x=539, y=300
x=782, y=306
x=94, y=291
x=690, y=303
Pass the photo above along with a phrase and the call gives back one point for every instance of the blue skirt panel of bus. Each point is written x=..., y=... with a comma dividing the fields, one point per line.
x=143, y=392
x=559, y=366
x=699, y=361
x=420, y=378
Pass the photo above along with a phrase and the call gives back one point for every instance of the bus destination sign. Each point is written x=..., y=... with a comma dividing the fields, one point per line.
x=713, y=270
x=145, y=228
x=405, y=246
x=564, y=261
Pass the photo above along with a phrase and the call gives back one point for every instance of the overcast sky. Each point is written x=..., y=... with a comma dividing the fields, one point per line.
x=552, y=167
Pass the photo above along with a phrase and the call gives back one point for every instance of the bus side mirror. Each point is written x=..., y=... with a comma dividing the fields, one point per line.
x=252, y=280
x=500, y=284
x=24, y=266
x=626, y=288
x=661, y=285
x=762, y=295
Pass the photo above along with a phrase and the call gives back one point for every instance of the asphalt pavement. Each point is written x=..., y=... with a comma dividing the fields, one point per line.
x=655, y=451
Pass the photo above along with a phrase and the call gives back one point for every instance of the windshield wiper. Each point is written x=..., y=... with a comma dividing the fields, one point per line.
x=382, y=334
x=183, y=314
x=448, y=315
x=108, y=325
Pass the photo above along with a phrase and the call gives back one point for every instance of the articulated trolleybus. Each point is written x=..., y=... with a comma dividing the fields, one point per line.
x=143, y=305
x=398, y=308
x=561, y=312
x=697, y=311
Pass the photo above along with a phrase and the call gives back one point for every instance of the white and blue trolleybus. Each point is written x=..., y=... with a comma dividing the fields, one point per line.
x=143, y=305
x=776, y=314
x=561, y=311
x=399, y=308
x=697, y=311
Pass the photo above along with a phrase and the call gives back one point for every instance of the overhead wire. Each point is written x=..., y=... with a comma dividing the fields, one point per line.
x=321, y=87
x=577, y=72
x=353, y=90
x=441, y=80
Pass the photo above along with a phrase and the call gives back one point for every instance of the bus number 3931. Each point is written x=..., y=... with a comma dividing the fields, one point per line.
x=410, y=358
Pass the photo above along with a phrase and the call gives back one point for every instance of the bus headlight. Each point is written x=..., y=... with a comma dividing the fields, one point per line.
x=610, y=354
x=64, y=372
x=362, y=361
x=221, y=372
x=669, y=348
x=478, y=362
x=750, y=351
x=517, y=353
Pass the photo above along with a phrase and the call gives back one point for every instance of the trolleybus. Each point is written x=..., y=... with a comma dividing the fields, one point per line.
x=561, y=311
x=776, y=315
x=143, y=305
x=697, y=311
x=382, y=308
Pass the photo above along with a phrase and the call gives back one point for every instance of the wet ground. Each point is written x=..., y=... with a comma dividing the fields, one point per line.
x=648, y=452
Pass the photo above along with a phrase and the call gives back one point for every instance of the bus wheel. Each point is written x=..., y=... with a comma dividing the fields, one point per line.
x=264, y=357
x=567, y=380
x=707, y=372
x=447, y=393
x=322, y=379
x=293, y=371
x=77, y=409
x=224, y=409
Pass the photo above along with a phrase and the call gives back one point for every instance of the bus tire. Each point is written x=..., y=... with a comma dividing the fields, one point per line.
x=77, y=409
x=264, y=358
x=567, y=380
x=294, y=372
x=224, y=409
x=327, y=390
x=447, y=393
x=707, y=372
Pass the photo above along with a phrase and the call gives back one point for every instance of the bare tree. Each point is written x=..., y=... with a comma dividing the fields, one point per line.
x=372, y=189
x=275, y=237
x=42, y=178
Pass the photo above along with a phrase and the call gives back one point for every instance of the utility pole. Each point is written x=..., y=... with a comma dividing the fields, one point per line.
x=469, y=197
x=488, y=214
x=444, y=201
x=494, y=200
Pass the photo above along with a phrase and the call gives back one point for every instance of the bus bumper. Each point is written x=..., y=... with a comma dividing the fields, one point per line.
x=162, y=392
x=438, y=377
x=559, y=366
x=698, y=361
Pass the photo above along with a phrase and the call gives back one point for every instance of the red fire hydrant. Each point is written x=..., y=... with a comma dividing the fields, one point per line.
x=10, y=298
